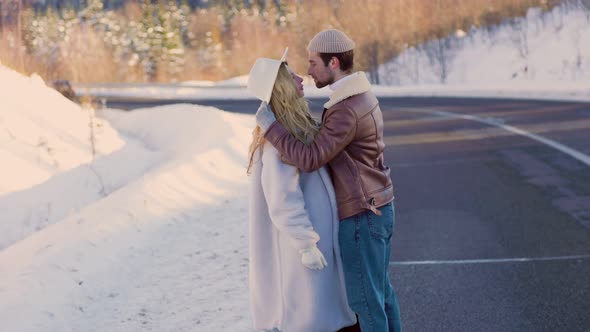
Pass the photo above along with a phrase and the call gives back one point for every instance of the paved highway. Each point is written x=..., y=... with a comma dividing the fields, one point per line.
x=492, y=211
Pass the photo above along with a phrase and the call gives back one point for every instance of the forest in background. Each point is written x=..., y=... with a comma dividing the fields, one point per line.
x=169, y=41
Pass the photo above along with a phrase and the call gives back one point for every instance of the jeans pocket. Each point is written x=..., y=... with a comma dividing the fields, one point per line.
x=381, y=227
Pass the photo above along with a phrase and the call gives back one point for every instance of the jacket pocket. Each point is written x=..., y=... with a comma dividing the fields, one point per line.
x=345, y=177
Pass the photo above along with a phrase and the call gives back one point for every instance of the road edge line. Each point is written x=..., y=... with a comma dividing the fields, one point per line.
x=496, y=122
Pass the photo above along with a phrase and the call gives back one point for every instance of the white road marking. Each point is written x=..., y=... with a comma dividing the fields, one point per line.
x=490, y=261
x=500, y=123
x=442, y=162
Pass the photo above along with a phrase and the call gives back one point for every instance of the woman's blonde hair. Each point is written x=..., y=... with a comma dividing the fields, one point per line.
x=291, y=111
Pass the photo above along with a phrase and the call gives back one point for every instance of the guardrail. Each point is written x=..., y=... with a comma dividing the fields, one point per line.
x=162, y=91
x=156, y=85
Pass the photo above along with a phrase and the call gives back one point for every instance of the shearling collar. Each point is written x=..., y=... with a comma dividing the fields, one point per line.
x=357, y=84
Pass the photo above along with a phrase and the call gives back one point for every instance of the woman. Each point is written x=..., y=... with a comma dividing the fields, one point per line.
x=296, y=278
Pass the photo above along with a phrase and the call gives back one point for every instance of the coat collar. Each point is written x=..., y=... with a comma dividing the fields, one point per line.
x=357, y=84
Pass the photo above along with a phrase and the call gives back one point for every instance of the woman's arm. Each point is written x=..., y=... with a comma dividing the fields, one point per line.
x=286, y=206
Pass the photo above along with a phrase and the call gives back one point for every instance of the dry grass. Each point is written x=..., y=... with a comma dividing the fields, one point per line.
x=218, y=49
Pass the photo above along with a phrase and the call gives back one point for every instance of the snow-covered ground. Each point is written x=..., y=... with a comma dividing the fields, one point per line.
x=542, y=52
x=145, y=230
x=147, y=235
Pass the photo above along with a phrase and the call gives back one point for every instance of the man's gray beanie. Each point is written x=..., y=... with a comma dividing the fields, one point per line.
x=330, y=41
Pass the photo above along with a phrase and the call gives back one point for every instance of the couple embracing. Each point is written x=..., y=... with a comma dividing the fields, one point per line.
x=321, y=199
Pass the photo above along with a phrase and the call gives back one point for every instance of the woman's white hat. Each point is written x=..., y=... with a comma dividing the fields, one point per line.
x=263, y=76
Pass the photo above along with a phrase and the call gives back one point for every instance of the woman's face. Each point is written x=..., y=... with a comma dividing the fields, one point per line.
x=297, y=81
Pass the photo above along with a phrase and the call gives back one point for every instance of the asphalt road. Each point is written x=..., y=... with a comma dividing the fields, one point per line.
x=472, y=200
x=492, y=226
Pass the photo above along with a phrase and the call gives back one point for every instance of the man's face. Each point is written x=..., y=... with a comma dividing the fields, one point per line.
x=322, y=75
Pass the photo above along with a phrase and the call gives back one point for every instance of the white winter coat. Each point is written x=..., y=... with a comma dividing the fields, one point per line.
x=291, y=210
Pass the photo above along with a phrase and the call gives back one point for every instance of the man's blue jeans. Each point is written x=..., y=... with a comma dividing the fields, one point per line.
x=365, y=245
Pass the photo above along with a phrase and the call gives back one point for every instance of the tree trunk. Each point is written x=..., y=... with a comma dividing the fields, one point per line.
x=375, y=62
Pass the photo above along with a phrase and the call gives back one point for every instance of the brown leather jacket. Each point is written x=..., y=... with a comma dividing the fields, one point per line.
x=350, y=141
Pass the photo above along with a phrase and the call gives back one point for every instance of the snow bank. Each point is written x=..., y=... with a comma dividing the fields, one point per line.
x=149, y=237
x=42, y=133
x=547, y=49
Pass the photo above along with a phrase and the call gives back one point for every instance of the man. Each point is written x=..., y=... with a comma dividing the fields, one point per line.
x=350, y=141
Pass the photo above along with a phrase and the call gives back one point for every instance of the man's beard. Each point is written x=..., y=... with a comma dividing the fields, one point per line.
x=328, y=81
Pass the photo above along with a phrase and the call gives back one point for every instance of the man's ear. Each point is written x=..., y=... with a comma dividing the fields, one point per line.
x=334, y=63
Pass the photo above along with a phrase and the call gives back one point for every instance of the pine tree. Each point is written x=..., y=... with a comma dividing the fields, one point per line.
x=172, y=45
x=147, y=40
x=229, y=8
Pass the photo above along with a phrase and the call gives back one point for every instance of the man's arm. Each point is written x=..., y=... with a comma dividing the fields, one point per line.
x=336, y=133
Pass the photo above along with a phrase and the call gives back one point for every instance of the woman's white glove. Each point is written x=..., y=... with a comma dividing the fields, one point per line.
x=313, y=258
x=264, y=116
